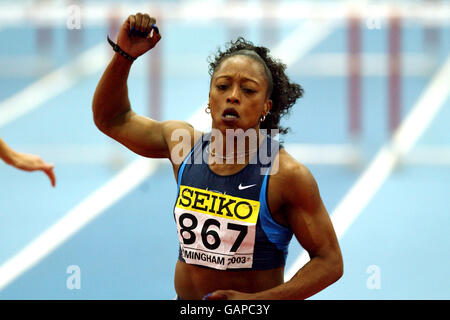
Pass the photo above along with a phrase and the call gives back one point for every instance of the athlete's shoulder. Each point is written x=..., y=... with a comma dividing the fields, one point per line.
x=180, y=137
x=176, y=131
x=290, y=168
x=171, y=125
x=296, y=175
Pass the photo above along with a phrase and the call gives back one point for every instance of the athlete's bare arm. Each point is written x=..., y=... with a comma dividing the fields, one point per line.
x=311, y=224
x=111, y=106
x=308, y=218
x=26, y=162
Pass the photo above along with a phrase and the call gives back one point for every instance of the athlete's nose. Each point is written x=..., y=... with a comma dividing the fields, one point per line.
x=233, y=98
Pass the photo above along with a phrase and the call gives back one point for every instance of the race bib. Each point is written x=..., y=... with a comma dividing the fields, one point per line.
x=216, y=230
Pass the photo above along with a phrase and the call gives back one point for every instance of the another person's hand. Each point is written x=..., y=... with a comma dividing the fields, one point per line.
x=133, y=43
x=29, y=162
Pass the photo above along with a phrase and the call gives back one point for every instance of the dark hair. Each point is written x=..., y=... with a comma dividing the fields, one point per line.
x=282, y=92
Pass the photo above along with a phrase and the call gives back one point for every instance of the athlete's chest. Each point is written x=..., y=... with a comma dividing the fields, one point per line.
x=215, y=229
x=217, y=217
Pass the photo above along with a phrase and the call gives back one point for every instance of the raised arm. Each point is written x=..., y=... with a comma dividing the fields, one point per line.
x=111, y=106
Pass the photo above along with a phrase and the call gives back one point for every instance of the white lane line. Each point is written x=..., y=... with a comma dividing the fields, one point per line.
x=419, y=118
x=75, y=219
x=118, y=187
x=311, y=33
x=54, y=83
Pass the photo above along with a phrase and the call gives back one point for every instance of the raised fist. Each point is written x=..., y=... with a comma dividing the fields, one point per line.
x=138, y=34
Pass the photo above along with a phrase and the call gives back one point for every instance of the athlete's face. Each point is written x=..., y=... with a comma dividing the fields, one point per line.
x=238, y=94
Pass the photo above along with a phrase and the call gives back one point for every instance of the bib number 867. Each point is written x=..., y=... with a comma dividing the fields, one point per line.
x=189, y=236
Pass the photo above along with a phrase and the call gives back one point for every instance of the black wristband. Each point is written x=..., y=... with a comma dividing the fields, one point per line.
x=119, y=50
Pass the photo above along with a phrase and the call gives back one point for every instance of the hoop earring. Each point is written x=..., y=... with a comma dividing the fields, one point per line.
x=262, y=118
x=208, y=110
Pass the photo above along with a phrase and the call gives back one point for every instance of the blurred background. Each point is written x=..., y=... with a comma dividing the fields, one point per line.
x=373, y=128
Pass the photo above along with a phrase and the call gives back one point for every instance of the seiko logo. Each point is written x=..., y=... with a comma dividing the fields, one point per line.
x=220, y=205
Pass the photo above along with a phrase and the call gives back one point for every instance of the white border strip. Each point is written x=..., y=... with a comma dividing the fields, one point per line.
x=126, y=181
x=115, y=156
x=428, y=155
x=203, y=11
x=182, y=64
x=419, y=118
x=327, y=154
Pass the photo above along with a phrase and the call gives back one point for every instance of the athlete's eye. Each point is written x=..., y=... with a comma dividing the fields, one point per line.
x=248, y=90
x=221, y=87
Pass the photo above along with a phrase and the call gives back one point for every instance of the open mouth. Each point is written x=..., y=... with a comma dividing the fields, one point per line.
x=230, y=114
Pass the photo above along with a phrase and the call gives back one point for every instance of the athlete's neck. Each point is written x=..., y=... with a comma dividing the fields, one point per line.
x=234, y=146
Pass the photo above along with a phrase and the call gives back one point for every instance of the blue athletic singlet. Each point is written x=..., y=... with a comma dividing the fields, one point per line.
x=224, y=222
